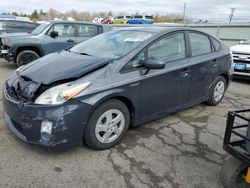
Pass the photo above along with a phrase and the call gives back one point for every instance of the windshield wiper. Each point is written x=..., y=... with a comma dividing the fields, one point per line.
x=83, y=53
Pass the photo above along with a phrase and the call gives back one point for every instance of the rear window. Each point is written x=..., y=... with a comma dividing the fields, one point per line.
x=87, y=30
x=216, y=44
x=200, y=44
x=149, y=17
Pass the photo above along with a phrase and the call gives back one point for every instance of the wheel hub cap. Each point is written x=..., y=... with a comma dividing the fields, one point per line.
x=219, y=91
x=109, y=126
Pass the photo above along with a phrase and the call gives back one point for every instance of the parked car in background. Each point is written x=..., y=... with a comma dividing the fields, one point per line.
x=107, y=20
x=121, y=19
x=16, y=26
x=241, y=59
x=94, y=91
x=141, y=19
x=97, y=20
x=49, y=37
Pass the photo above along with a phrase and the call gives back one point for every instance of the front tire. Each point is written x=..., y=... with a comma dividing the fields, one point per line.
x=217, y=91
x=107, y=125
x=25, y=57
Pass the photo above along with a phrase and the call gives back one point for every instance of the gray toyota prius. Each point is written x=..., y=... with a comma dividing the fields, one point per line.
x=92, y=92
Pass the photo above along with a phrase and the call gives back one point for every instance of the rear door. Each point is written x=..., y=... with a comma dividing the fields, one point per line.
x=67, y=37
x=202, y=67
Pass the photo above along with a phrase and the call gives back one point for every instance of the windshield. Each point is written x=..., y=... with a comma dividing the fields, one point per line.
x=114, y=44
x=40, y=28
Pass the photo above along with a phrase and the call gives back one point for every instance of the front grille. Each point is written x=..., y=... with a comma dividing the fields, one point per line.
x=241, y=58
x=245, y=71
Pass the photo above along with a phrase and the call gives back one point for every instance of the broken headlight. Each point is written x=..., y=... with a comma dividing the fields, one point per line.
x=6, y=41
x=61, y=93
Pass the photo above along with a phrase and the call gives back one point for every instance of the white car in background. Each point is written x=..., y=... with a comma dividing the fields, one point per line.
x=241, y=58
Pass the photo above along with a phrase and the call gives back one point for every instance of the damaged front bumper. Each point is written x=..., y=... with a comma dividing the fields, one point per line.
x=25, y=119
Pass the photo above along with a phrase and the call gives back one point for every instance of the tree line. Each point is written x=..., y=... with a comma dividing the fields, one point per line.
x=40, y=15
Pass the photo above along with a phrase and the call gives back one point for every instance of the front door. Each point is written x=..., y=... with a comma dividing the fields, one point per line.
x=161, y=89
x=65, y=39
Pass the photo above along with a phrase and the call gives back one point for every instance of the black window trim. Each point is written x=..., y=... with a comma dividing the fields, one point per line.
x=145, y=49
x=210, y=38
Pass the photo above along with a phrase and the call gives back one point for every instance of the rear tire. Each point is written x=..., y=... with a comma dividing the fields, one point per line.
x=26, y=56
x=232, y=173
x=217, y=91
x=107, y=125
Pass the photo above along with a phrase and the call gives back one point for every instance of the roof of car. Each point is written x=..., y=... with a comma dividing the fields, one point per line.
x=67, y=21
x=149, y=29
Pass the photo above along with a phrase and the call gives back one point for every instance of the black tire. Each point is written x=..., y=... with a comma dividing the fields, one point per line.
x=211, y=101
x=232, y=173
x=90, y=137
x=26, y=56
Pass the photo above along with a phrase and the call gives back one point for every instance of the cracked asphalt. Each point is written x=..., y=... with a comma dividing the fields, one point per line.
x=180, y=150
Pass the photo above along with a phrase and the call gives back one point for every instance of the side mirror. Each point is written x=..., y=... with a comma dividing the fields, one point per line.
x=154, y=63
x=54, y=34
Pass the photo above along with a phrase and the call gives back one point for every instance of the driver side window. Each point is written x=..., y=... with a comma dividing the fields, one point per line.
x=64, y=30
x=169, y=48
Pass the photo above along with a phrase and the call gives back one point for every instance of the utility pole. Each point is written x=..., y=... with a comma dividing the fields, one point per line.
x=184, y=12
x=231, y=15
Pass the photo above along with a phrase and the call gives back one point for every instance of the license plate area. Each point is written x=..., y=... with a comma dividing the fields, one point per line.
x=4, y=51
x=240, y=66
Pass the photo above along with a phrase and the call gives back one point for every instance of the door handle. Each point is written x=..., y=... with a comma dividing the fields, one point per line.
x=214, y=65
x=185, y=72
x=70, y=40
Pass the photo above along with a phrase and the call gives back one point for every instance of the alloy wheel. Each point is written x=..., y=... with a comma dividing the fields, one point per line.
x=109, y=126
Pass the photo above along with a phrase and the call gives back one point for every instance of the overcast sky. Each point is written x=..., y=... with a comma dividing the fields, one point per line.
x=196, y=9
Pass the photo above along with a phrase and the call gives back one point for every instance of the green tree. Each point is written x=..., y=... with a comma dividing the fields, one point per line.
x=34, y=15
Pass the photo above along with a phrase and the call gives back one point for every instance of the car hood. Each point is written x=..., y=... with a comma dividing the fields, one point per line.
x=15, y=35
x=61, y=66
x=241, y=48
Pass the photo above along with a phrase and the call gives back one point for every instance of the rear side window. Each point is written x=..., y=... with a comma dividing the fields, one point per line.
x=138, y=16
x=87, y=30
x=169, y=48
x=216, y=44
x=15, y=26
x=200, y=44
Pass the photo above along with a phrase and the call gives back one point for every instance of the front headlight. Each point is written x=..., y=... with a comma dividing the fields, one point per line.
x=61, y=93
x=6, y=41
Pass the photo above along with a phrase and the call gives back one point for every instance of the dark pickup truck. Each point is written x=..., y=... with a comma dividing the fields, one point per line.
x=51, y=36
